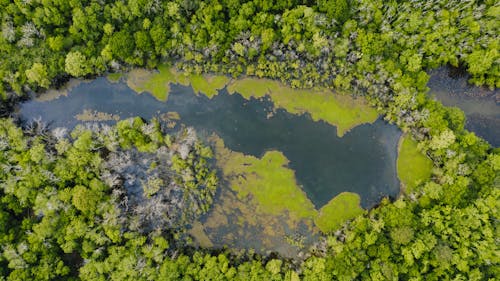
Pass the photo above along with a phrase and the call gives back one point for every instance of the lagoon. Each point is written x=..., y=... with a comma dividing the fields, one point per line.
x=363, y=161
x=278, y=168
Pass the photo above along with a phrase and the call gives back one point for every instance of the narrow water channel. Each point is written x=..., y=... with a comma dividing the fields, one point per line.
x=480, y=104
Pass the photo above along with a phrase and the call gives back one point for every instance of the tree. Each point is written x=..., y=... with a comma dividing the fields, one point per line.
x=76, y=64
x=38, y=74
x=122, y=44
x=335, y=9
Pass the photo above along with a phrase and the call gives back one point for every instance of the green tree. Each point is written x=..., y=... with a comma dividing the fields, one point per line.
x=122, y=44
x=38, y=74
x=76, y=64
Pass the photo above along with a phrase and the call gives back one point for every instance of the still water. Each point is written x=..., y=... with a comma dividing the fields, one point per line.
x=481, y=105
x=362, y=161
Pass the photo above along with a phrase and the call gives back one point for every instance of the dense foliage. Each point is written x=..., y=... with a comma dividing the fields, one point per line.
x=374, y=45
x=59, y=214
x=79, y=198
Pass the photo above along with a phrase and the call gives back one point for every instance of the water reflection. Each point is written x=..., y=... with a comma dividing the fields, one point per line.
x=362, y=161
x=479, y=103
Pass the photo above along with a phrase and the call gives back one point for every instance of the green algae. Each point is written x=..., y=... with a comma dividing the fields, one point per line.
x=267, y=180
x=337, y=211
x=414, y=167
x=208, y=85
x=158, y=83
x=342, y=111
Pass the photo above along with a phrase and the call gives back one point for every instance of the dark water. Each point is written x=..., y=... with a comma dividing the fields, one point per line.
x=362, y=161
x=479, y=103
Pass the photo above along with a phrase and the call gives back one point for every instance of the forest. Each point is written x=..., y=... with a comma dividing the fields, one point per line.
x=73, y=207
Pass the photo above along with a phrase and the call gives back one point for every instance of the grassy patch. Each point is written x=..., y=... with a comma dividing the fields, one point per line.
x=156, y=83
x=413, y=166
x=267, y=181
x=252, y=87
x=53, y=94
x=341, y=208
x=344, y=112
x=114, y=77
x=208, y=85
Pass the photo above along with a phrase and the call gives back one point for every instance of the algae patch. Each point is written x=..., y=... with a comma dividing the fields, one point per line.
x=337, y=211
x=158, y=82
x=344, y=112
x=414, y=167
x=53, y=94
x=238, y=223
x=114, y=77
x=209, y=85
x=92, y=115
x=268, y=181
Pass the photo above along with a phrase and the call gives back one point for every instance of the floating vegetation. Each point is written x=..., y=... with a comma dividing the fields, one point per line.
x=114, y=77
x=93, y=115
x=342, y=111
x=208, y=85
x=267, y=181
x=53, y=94
x=170, y=118
x=335, y=213
x=414, y=167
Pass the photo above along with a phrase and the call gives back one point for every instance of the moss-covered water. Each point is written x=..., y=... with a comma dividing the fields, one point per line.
x=280, y=165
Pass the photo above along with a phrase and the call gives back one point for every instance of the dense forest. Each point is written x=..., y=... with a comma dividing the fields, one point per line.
x=70, y=210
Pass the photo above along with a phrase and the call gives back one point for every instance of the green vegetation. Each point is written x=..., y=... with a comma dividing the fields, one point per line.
x=59, y=220
x=114, y=77
x=342, y=111
x=337, y=211
x=414, y=168
x=158, y=84
x=267, y=180
x=207, y=85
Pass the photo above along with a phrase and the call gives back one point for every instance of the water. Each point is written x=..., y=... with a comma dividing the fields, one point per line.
x=362, y=161
x=481, y=109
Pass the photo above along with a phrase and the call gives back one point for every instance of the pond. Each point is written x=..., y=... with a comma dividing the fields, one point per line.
x=481, y=105
x=362, y=161
x=322, y=164
x=290, y=162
